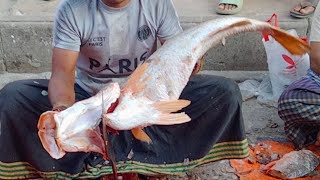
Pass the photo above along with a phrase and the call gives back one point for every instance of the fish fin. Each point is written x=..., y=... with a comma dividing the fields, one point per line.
x=139, y=134
x=47, y=133
x=134, y=84
x=171, y=106
x=166, y=108
x=294, y=45
x=174, y=118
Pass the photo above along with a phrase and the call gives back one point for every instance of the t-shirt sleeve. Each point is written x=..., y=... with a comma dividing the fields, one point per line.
x=65, y=30
x=315, y=27
x=169, y=24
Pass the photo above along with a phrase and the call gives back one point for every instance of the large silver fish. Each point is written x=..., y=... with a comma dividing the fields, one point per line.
x=151, y=94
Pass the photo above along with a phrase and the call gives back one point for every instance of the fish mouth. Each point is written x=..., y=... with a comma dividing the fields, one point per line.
x=89, y=140
x=47, y=133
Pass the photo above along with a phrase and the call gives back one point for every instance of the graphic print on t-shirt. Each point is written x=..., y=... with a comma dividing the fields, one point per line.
x=96, y=41
x=144, y=32
x=96, y=63
x=124, y=65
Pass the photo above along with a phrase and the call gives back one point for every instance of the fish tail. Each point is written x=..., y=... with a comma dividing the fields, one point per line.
x=293, y=44
x=141, y=135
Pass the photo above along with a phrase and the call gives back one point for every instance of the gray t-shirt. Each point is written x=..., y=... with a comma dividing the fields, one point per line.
x=112, y=42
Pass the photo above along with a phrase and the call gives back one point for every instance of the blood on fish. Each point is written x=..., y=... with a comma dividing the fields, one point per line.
x=110, y=110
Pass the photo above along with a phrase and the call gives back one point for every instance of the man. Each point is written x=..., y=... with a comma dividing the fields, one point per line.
x=299, y=104
x=95, y=41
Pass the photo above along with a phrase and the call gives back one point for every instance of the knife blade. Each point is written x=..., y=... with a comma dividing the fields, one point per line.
x=107, y=142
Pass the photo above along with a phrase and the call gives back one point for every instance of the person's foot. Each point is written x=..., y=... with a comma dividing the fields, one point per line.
x=224, y=6
x=303, y=10
x=229, y=6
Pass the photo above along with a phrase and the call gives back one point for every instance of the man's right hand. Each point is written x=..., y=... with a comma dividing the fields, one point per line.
x=61, y=84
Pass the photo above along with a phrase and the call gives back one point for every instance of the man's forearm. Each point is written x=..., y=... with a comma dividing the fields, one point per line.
x=61, y=92
x=315, y=57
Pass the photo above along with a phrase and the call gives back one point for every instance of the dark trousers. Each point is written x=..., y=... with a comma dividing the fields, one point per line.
x=215, y=111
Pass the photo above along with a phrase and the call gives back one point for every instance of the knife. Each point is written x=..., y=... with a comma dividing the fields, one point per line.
x=107, y=142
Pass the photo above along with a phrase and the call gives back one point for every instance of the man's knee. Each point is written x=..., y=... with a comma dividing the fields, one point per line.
x=12, y=89
x=23, y=90
x=291, y=106
x=229, y=88
x=225, y=88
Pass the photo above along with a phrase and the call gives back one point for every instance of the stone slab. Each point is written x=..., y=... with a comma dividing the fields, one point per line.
x=26, y=46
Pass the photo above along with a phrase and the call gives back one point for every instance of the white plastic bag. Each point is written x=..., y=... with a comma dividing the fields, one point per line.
x=284, y=68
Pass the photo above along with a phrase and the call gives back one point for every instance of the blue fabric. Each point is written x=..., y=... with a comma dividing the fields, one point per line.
x=299, y=108
x=313, y=76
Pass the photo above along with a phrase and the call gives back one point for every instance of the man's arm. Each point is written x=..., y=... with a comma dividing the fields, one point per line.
x=61, y=84
x=315, y=57
x=315, y=41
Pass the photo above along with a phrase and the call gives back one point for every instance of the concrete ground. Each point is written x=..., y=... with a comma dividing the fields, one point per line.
x=25, y=52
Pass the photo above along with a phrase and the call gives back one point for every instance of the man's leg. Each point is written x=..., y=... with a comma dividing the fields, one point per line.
x=299, y=107
x=215, y=132
x=21, y=104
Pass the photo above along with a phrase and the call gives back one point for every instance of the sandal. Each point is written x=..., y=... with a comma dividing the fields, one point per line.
x=303, y=5
x=237, y=3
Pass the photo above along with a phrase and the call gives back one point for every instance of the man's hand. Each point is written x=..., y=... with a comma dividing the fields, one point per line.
x=61, y=84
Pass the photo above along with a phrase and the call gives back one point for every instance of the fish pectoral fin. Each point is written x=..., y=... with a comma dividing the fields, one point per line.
x=139, y=134
x=171, y=106
x=173, y=118
x=167, y=117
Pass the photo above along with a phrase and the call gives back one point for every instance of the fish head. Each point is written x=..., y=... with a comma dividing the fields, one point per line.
x=76, y=128
x=47, y=133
